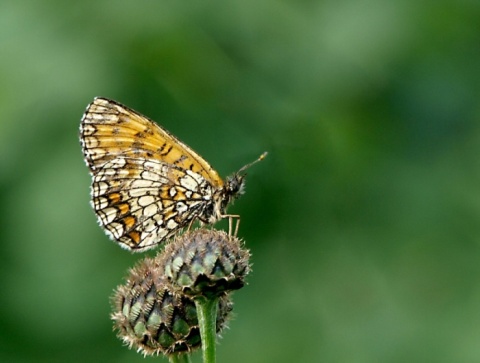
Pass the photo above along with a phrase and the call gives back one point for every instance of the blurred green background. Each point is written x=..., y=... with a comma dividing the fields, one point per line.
x=364, y=220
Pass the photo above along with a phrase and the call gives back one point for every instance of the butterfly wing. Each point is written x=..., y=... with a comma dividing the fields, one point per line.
x=109, y=129
x=146, y=183
x=142, y=203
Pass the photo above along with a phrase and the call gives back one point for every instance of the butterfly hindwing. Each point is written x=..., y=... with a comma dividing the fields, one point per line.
x=140, y=203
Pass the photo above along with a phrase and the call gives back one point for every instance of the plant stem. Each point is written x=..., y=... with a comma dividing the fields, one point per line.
x=180, y=358
x=207, y=320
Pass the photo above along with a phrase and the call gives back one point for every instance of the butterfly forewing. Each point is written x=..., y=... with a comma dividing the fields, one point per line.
x=110, y=129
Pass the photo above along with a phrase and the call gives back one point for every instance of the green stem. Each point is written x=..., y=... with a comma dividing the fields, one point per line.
x=207, y=320
x=180, y=358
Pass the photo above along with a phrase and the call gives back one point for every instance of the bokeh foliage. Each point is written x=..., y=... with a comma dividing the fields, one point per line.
x=363, y=221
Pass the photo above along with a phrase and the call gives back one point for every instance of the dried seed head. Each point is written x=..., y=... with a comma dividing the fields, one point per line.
x=205, y=263
x=150, y=317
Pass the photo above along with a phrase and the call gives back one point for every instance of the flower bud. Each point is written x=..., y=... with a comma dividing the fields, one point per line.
x=152, y=318
x=205, y=262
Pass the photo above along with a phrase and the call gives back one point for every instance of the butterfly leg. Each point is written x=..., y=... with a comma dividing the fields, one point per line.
x=190, y=225
x=230, y=223
x=237, y=225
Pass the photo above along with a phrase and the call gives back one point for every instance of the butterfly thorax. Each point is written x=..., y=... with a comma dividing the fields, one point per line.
x=221, y=198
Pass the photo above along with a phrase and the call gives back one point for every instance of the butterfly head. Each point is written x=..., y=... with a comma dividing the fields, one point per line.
x=233, y=188
x=235, y=184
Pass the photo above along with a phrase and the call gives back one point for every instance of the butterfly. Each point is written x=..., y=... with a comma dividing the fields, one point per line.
x=146, y=184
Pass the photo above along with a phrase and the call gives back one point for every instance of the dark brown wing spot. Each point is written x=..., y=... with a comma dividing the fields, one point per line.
x=180, y=159
x=168, y=151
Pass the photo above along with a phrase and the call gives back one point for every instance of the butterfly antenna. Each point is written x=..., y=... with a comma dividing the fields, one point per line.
x=260, y=158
